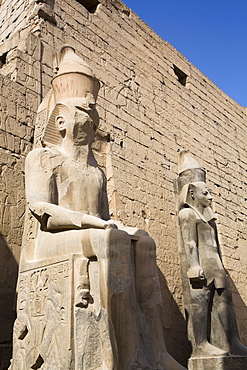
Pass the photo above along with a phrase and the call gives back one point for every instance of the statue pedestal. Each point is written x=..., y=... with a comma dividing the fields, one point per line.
x=100, y=312
x=56, y=325
x=219, y=363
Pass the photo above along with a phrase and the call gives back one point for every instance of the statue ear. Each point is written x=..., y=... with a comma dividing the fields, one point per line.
x=191, y=191
x=60, y=122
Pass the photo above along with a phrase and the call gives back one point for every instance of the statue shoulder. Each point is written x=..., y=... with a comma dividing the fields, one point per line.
x=42, y=153
x=39, y=152
x=44, y=158
x=187, y=215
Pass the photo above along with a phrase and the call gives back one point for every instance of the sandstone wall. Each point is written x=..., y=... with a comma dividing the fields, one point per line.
x=149, y=110
x=19, y=98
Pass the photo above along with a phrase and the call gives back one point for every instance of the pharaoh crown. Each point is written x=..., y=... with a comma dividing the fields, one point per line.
x=189, y=170
x=74, y=79
x=73, y=83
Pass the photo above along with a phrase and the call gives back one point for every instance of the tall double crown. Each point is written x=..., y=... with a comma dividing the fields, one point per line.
x=189, y=170
x=74, y=84
x=75, y=79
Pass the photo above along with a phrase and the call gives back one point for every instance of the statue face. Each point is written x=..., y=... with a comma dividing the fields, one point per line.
x=83, y=126
x=80, y=125
x=201, y=195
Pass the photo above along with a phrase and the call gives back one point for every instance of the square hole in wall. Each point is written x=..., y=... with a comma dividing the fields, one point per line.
x=182, y=77
x=90, y=5
x=3, y=58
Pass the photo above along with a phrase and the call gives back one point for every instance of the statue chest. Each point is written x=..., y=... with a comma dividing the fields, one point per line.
x=80, y=187
x=206, y=239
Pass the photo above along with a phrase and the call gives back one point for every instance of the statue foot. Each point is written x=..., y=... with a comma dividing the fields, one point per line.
x=237, y=348
x=166, y=362
x=208, y=350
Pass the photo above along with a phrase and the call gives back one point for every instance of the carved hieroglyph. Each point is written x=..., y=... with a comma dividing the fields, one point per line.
x=211, y=320
x=88, y=292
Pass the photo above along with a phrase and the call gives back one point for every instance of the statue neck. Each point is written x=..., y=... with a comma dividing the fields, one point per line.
x=199, y=207
x=82, y=154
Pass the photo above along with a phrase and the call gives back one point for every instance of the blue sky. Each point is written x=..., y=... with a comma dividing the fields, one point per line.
x=211, y=34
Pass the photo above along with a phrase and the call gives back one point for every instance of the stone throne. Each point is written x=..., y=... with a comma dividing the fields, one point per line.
x=88, y=290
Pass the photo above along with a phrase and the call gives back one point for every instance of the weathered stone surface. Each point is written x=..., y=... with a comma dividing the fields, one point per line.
x=83, y=276
x=219, y=363
x=146, y=116
x=212, y=327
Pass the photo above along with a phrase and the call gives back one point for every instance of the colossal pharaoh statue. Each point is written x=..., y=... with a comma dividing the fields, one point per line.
x=207, y=295
x=88, y=293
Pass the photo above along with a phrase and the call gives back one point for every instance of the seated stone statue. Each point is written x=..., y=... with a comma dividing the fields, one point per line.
x=115, y=317
x=208, y=301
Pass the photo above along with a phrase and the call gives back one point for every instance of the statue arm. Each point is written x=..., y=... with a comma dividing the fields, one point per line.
x=187, y=222
x=57, y=218
x=104, y=213
x=42, y=197
x=214, y=226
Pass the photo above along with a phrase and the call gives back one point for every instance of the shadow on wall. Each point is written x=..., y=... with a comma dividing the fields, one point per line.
x=176, y=336
x=8, y=279
x=240, y=310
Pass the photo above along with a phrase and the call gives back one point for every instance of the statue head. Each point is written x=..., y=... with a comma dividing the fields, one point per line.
x=75, y=89
x=192, y=187
x=74, y=119
x=197, y=195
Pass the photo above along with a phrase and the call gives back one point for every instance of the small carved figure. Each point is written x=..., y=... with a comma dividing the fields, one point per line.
x=117, y=303
x=212, y=323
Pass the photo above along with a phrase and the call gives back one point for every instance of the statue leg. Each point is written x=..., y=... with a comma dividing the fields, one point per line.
x=113, y=249
x=200, y=315
x=150, y=301
x=226, y=316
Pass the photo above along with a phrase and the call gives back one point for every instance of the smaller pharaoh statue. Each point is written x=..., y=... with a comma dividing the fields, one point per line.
x=211, y=320
x=114, y=316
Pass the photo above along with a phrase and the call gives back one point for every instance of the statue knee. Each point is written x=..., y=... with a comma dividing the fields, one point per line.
x=112, y=244
x=146, y=269
x=223, y=300
x=200, y=298
x=146, y=245
x=145, y=255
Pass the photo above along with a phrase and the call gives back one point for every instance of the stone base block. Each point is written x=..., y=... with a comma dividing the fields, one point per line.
x=218, y=363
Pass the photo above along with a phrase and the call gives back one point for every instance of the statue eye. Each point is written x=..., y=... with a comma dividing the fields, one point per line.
x=205, y=192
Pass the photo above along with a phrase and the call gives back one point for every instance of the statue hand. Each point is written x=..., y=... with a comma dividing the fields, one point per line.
x=196, y=273
x=110, y=225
